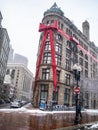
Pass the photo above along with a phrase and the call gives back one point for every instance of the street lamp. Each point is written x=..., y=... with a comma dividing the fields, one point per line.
x=76, y=70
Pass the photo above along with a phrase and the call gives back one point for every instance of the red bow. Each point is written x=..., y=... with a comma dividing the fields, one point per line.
x=49, y=30
x=44, y=27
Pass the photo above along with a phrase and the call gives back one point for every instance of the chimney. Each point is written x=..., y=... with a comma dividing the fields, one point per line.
x=85, y=28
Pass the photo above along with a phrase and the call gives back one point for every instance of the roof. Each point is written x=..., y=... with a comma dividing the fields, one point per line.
x=55, y=9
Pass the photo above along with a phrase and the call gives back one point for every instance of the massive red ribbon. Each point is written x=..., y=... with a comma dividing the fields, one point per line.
x=48, y=29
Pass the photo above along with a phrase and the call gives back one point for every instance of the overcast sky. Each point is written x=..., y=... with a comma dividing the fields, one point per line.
x=21, y=18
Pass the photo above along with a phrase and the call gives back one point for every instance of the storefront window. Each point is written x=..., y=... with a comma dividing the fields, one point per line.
x=66, y=96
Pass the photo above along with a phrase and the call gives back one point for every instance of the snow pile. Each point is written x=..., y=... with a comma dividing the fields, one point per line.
x=94, y=126
x=32, y=111
x=92, y=111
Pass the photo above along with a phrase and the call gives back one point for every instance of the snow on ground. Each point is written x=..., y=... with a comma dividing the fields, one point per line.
x=94, y=126
x=92, y=111
x=26, y=109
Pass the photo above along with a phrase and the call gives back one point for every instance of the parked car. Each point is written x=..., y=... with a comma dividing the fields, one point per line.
x=15, y=104
x=7, y=101
x=23, y=102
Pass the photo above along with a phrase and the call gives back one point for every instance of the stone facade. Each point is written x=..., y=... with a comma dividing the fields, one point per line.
x=20, y=81
x=66, y=54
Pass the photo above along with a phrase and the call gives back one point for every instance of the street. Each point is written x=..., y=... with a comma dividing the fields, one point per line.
x=28, y=118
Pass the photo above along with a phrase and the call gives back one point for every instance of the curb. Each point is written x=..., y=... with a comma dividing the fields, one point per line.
x=75, y=127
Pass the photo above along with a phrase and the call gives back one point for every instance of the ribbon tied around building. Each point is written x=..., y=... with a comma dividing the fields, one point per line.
x=48, y=30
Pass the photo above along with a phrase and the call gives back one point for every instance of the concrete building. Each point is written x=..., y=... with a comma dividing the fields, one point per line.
x=20, y=59
x=4, y=52
x=71, y=46
x=21, y=81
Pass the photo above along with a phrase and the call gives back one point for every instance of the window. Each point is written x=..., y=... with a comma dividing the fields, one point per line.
x=93, y=74
x=81, y=53
x=81, y=61
x=45, y=74
x=68, y=64
x=75, y=59
x=59, y=38
x=58, y=74
x=12, y=73
x=61, y=26
x=86, y=73
x=48, y=22
x=81, y=43
x=58, y=48
x=69, y=44
x=68, y=53
x=58, y=59
x=94, y=66
x=67, y=78
x=86, y=64
x=75, y=49
x=47, y=46
x=86, y=99
x=75, y=36
x=55, y=95
x=8, y=71
x=52, y=21
x=86, y=57
x=73, y=99
x=85, y=47
x=69, y=32
x=66, y=96
x=44, y=92
x=47, y=58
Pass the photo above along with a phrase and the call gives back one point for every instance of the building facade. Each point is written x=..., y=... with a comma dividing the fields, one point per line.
x=20, y=59
x=71, y=46
x=11, y=55
x=21, y=80
x=4, y=52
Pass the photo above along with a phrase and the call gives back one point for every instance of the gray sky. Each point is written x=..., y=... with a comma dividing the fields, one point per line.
x=21, y=18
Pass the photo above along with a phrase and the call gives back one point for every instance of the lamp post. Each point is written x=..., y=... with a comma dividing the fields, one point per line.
x=76, y=70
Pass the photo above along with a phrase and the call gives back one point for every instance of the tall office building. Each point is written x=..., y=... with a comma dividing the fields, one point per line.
x=20, y=59
x=4, y=52
x=61, y=45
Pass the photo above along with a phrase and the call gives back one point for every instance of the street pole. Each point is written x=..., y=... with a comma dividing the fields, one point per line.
x=76, y=68
x=76, y=116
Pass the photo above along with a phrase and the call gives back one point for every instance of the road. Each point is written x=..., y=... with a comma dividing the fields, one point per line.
x=28, y=118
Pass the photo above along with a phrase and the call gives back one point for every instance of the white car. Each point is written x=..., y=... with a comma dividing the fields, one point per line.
x=15, y=104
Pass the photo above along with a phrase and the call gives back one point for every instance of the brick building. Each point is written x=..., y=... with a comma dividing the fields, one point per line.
x=67, y=53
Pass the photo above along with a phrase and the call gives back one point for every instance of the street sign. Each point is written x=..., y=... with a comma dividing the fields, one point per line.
x=76, y=90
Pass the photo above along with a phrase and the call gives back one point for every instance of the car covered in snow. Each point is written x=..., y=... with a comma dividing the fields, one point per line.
x=15, y=104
